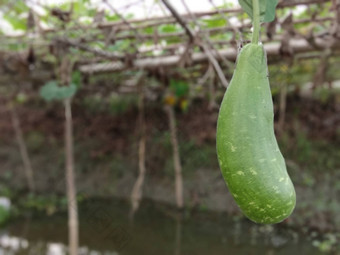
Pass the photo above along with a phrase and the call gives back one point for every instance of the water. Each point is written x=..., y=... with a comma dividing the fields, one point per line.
x=106, y=228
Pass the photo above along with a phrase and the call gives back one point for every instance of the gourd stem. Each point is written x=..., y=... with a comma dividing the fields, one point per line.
x=256, y=22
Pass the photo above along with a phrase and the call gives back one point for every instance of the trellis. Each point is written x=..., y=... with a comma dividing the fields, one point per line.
x=195, y=44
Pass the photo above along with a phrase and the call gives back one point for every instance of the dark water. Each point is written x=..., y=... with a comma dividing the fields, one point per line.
x=106, y=228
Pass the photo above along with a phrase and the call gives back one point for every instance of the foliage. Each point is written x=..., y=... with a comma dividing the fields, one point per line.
x=119, y=104
x=113, y=103
x=196, y=156
x=179, y=88
x=214, y=22
x=328, y=244
x=310, y=153
x=267, y=9
x=17, y=24
x=51, y=91
x=36, y=140
x=4, y=215
x=43, y=203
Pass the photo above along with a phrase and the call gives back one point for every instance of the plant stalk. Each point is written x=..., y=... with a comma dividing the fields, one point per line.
x=256, y=22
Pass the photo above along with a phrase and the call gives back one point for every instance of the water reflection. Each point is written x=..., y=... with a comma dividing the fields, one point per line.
x=56, y=249
x=11, y=245
x=155, y=230
x=178, y=235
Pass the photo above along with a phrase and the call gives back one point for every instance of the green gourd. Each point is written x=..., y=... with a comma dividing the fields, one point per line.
x=249, y=157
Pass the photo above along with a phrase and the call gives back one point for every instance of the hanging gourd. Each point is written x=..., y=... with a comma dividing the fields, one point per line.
x=249, y=157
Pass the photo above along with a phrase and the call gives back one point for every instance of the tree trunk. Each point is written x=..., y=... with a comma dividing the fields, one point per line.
x=70, y=181
x=23, y=149
x=137, y=191
x=176, y=157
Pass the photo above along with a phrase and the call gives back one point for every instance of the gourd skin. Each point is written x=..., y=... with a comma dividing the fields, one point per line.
x=249, y=157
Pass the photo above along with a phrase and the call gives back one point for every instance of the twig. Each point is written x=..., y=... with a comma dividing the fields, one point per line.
x=206, y=76
x=179, y=19
x=98, y=52
x=23, y=149
x=201, y=44
x=209, y=44
x=216, y=66
x=236, y=29
x=126, y=22
x=321, y=72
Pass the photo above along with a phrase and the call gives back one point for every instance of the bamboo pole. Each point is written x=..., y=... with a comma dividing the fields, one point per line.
x=176, y=157
x=70, y=181
x=272, y=49
x=137, y=191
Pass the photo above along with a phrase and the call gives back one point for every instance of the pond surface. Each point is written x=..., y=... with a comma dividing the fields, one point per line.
x=106, y=228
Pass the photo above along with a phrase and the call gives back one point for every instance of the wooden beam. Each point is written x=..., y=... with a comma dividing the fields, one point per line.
x=272, y=49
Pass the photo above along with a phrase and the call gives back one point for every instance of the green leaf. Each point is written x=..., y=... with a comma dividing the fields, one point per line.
x=180, y=88
x=169, y=29
x=51, y=91
x=112, y=17
x=267, y=9
x=149, y=30
x=18, y=8
x=4, y=214
x=269, y=15
x=79, y=8
x=120, y=45
x=16, y=23
x=76, y=78
x=215, y=22
x=21, y=98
